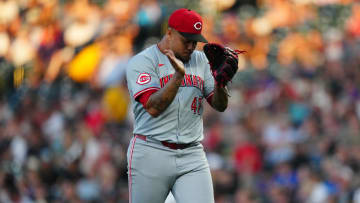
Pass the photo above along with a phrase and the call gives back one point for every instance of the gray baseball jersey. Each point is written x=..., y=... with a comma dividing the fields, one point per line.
x=182, y=121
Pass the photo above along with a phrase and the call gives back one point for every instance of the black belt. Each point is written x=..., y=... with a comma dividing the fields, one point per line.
x=169, y=144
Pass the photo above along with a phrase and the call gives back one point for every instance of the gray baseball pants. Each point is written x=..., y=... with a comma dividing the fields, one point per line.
x=154, y=170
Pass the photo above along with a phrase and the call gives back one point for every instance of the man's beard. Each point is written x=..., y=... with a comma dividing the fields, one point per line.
x=183, y=59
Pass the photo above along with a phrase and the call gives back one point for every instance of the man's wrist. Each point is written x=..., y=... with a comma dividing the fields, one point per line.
x=179, y=77
x=223, y=89
x=219, y=86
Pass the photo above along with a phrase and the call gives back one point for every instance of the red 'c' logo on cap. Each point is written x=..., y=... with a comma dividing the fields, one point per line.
x=197, y=25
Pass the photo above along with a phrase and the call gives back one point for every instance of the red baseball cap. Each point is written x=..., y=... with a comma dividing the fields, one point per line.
x=188, y=23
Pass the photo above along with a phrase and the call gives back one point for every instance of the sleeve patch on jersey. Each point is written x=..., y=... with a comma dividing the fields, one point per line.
x=143, y=78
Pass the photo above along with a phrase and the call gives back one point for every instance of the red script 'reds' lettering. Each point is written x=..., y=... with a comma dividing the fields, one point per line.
x=144, y=78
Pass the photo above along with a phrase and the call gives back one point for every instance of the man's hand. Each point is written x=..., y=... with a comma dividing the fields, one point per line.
x=160, y=100
x=176, y=63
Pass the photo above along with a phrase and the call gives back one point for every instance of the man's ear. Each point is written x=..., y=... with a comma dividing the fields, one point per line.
x=169, y=31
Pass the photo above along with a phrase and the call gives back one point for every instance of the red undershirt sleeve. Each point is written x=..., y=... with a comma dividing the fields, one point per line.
x=144, y=97
x=209, y=97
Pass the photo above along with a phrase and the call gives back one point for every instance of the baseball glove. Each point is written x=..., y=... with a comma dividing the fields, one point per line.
x=223, y=62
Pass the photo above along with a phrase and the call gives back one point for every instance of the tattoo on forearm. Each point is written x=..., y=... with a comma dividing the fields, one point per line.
x=163, y=98
x=220, y=99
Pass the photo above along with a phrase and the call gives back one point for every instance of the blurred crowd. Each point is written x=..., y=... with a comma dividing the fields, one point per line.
x=291, y=132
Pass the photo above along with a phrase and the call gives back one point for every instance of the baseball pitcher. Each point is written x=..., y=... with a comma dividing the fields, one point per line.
x=168, y=83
